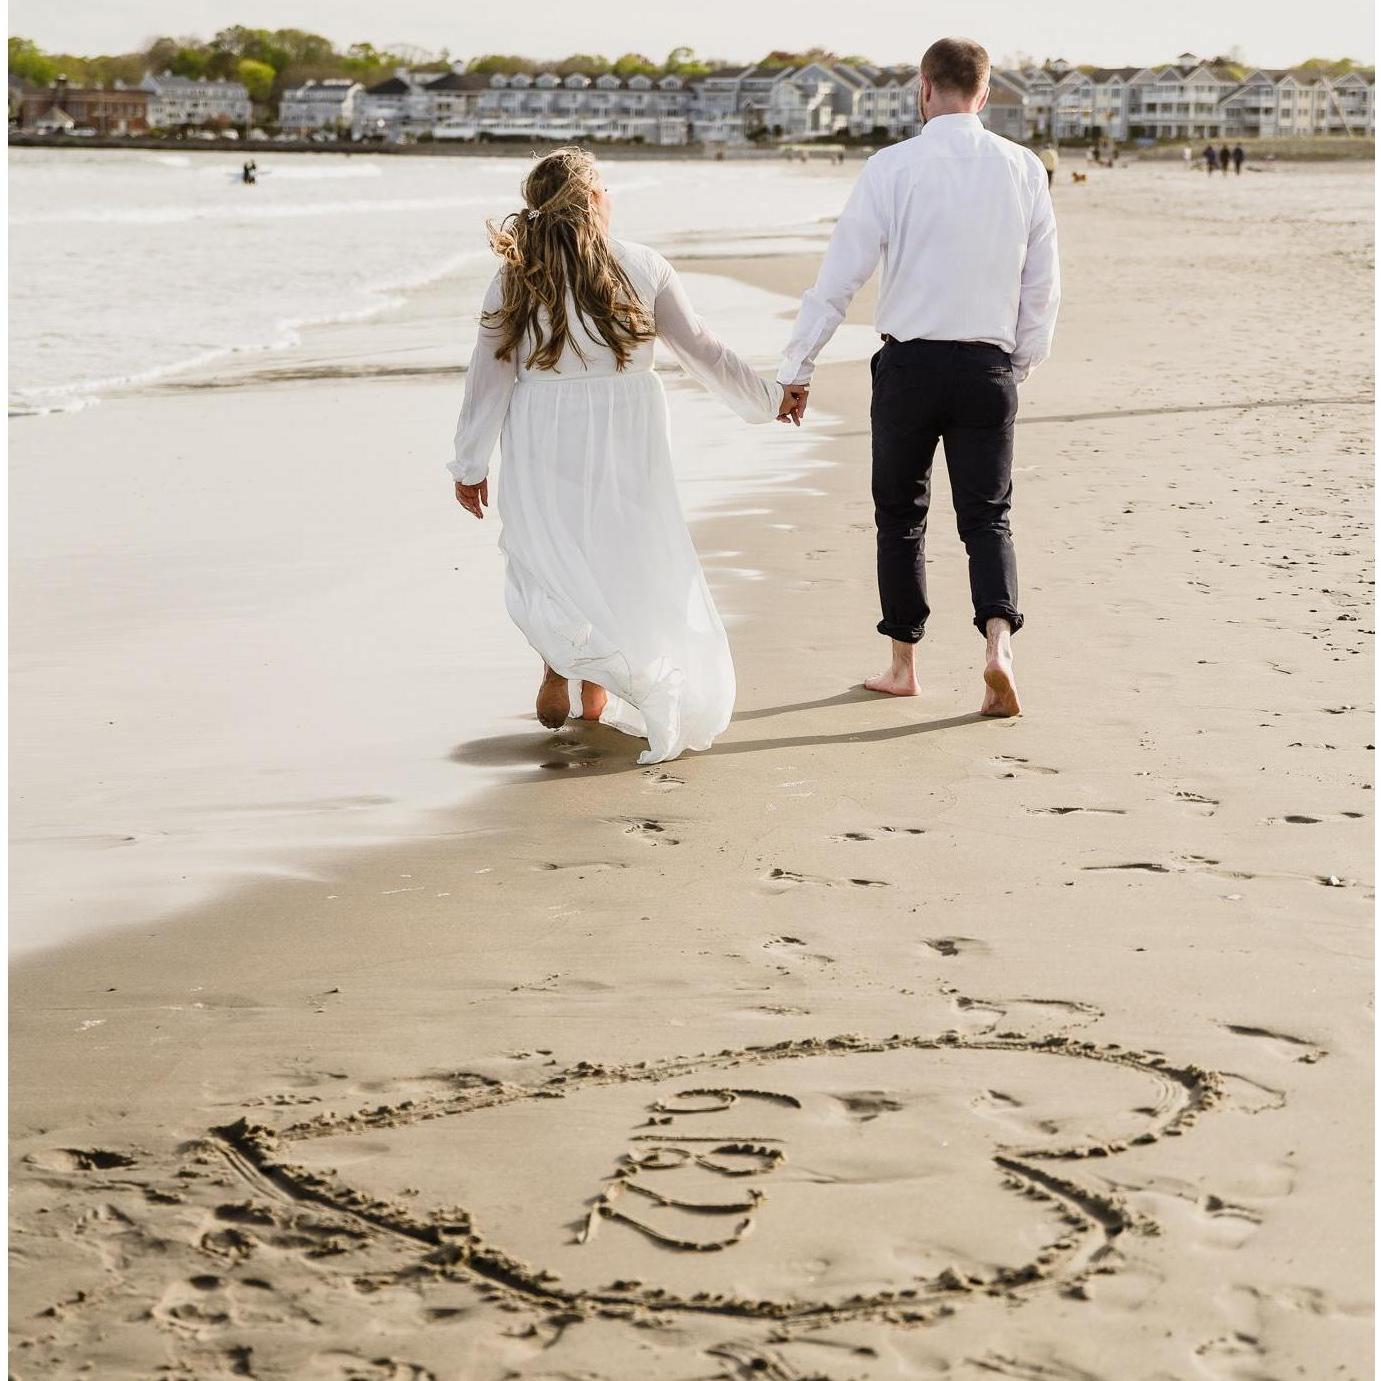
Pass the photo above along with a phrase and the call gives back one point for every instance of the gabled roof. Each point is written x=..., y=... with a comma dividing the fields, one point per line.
x=1000, y=93
x=460, y=81
x=393, y=86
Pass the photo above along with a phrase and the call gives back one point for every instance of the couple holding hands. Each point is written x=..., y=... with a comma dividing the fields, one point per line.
x=601, y=574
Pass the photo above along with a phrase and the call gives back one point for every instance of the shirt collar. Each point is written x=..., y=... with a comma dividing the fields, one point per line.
x=946, y=124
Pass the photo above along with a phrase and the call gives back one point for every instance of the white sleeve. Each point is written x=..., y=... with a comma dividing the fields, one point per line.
x=854, y=250
x=488, y=385
x=705, y=357
x=1040, y=287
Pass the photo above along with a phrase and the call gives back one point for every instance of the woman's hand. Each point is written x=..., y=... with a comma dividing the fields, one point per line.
x=473, y=498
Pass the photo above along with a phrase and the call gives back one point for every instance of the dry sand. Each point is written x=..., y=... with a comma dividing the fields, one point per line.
x=881, y=1041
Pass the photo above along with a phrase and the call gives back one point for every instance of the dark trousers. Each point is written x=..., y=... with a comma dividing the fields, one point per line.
x=926, y=391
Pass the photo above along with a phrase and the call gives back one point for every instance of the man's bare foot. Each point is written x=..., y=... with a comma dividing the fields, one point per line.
x=1000, y=700
x=593, y=699
x=900, y=677
x=553, y=700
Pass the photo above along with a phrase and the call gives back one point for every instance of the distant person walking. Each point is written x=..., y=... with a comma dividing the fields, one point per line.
x=1211, y=159
x=1225, y=157
x=1239, y=156
x=1050, y=161
x=1188, y=156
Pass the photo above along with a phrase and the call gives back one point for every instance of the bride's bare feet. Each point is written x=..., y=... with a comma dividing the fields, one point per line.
x=1000, y=701
x=593, y=699
x=900, y=677
x=553, y=699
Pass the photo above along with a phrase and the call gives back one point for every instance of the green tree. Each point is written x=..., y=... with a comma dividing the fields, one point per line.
x=189, y=62
x=592, y=64
x=257, y=77
x=634, y=64
x=29, y=61
x=502, y=62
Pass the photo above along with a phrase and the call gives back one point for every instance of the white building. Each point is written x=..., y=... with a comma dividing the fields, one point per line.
x=176, y=101
x=323, y=105
x=1187, y=99
x=391, y=109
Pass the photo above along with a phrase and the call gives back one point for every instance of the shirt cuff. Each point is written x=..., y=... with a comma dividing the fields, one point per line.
x=467, y=471
x=788, y=376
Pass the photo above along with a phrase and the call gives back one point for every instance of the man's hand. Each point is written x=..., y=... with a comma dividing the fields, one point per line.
x=793, y=406
x=473, y=498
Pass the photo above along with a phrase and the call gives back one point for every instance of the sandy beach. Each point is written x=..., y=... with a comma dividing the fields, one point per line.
x=880, y=1042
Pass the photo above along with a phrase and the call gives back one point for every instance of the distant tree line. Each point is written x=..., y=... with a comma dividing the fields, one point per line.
x=268, y=60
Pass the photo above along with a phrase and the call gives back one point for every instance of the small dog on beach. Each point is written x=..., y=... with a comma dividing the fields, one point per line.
x=1079, y=177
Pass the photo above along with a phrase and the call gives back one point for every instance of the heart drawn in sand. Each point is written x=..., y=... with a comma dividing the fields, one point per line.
x=811, y=1179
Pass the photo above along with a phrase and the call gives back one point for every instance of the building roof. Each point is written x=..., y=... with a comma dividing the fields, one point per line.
x=392, y=86
x=460, y=81
x=173, y=84
x=1002, y=93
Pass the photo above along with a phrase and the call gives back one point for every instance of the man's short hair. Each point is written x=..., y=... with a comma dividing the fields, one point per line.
x=956, y=64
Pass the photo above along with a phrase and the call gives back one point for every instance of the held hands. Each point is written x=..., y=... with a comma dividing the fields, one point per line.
x=793, y=405
x=473, y=498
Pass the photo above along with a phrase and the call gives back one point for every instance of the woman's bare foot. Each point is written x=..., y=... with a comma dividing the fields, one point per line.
x=553, y=699
x=593, y=699
x=900, y=677
x=1000, y=701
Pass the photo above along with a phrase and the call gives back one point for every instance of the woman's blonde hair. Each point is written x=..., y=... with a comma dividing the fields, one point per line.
x=554, y=246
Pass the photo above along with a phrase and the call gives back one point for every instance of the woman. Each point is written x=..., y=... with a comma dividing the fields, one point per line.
x=601, y=575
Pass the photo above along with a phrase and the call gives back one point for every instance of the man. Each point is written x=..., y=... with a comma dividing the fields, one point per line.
x=1238, y=154
x=1211, y=159
x=963, y=223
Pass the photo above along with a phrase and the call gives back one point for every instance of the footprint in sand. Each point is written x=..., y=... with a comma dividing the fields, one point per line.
x=1074, y=810
x=349, y=1366
x=1313, y=819
x=662, y=781
x=1293, y=1048
x=1022, y=767
x=649, y=830
x=862, y=836
x=76, y=1158
x=951, y=946
x=796, y=950
x=783, y=879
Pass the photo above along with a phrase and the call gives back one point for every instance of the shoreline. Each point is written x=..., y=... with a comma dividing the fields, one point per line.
x=1118, y=870
x=1276, y=149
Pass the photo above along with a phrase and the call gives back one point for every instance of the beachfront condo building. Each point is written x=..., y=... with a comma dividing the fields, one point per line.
x=178, y=101
x=318, y=105
x=1186, y=99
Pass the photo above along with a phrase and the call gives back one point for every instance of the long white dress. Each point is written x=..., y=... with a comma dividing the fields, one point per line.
x=602, y=577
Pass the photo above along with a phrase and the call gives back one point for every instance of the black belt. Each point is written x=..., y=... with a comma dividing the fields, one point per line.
x=925, y=340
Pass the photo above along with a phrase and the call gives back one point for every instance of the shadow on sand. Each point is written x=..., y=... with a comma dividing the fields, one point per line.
x=596, y=750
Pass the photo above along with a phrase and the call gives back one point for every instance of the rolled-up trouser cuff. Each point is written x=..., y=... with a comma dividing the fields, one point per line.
x=997, y=611
x=902, y=632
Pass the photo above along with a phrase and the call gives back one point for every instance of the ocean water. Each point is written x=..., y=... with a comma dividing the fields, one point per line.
x=249, y=625
x=126, y=265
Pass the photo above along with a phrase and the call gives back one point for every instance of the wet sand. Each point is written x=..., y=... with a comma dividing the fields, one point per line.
x=882, y=1041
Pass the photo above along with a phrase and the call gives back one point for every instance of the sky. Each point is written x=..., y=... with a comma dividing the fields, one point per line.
x=1107, y=32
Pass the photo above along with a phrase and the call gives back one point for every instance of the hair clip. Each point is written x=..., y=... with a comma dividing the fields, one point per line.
x=532, y=215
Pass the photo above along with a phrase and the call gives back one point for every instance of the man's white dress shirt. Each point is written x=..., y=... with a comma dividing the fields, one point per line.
x=963, y=223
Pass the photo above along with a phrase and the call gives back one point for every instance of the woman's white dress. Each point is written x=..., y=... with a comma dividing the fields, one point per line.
x=602, y=577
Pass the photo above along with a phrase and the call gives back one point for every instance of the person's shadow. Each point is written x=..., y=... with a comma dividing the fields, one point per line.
x=597, y=750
